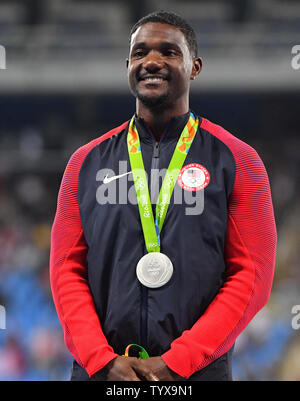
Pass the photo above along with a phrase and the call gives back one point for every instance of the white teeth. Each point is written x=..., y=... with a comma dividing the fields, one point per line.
x=153, y=79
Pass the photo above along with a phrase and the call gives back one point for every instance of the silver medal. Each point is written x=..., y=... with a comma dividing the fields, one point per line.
x=154, y=269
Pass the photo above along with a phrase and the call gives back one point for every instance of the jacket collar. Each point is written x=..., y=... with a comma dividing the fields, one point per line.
x=173, y=130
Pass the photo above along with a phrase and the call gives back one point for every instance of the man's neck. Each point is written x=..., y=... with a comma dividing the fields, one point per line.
x=158, y=121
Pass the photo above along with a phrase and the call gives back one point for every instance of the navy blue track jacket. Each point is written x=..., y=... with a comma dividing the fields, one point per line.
x=220, y=237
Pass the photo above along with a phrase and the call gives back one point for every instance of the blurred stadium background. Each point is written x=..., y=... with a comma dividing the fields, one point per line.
x=65, y=83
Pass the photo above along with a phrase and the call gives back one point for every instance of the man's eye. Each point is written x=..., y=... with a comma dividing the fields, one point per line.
x=138, y=53
x=170, y=53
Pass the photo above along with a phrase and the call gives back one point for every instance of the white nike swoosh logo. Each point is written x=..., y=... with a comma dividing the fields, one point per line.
x=114, y=177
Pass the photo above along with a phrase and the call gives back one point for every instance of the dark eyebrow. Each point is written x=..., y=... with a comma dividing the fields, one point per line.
x=139, y=45
x=172, y=45
x=162, y=45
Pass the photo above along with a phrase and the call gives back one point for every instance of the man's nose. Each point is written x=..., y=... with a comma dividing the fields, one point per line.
x=153, y=61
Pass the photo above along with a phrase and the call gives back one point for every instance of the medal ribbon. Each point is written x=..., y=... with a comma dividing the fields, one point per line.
x=143, y=354
x=151, y=228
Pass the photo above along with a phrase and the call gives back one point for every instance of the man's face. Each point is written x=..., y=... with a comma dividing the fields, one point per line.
x=160, y=65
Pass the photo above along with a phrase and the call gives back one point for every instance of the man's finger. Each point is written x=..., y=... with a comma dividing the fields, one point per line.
x=134, y=378
x=145, y=372
x=153, y=377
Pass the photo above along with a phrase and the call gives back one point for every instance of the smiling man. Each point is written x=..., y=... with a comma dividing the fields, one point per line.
x=144, y=274
x=160, y=66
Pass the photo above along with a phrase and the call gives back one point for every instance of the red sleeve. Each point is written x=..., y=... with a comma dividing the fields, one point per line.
x=250, y=259
x=68, y=274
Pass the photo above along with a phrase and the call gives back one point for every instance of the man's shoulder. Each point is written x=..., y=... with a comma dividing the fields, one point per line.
x=94, y=142
x=82, y=152
x=115, y=131
x=77, y=158
x=235, y=144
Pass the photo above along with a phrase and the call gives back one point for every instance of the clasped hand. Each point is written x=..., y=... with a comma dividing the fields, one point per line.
x=125, y=368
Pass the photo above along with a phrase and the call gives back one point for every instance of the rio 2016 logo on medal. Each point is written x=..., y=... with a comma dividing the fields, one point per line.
x=193, y=177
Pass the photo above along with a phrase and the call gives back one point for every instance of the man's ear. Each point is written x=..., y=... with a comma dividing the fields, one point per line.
x=197, y=67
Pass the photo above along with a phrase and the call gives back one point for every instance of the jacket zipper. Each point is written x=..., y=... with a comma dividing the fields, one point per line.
x=144, y=290
x=155, y=177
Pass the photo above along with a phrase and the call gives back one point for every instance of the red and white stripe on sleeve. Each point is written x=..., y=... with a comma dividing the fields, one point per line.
x=68, y=273
x=250, y=259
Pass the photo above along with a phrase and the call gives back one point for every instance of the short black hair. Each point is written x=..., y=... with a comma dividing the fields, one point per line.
x=170, y=18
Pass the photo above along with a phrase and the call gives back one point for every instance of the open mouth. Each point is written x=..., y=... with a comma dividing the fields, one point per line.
x=152, y=79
